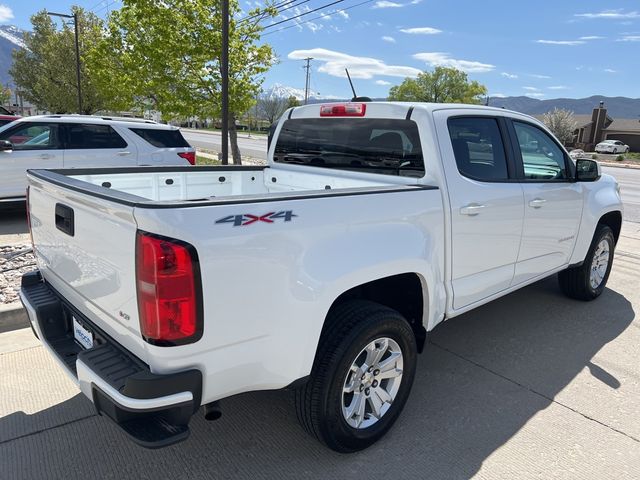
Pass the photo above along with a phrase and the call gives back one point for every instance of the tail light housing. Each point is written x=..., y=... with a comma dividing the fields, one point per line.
x=169, y=290
x=343, y=110
x=188, y=156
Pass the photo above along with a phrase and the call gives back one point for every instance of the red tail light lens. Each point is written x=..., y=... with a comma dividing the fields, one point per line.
x=169, y=290
x=343, y=110
x=188, y=156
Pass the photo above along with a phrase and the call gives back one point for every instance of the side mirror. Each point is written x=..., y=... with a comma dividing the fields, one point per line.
x=5, y=146
x=587, y=170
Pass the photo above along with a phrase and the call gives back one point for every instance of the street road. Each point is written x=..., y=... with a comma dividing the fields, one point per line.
x=629, y=180
x=254, y=146
x=531, y=386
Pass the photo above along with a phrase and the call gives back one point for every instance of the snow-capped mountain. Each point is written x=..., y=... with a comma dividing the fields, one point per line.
x=278, y=90
x=10, y=39
x=12, y=34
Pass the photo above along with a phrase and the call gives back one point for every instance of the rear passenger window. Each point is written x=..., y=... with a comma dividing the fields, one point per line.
x=543, y=159
x=164, y=138
x=88, y=136
x=478, y=148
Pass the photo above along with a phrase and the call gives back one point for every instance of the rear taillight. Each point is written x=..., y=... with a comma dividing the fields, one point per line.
x=188, y=156
x=343, y=110
x=169, y=290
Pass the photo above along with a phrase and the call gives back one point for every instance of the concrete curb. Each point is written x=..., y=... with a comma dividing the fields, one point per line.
x=13, y=317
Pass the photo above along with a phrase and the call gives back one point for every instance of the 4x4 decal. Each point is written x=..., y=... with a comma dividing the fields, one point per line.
x=248, y=219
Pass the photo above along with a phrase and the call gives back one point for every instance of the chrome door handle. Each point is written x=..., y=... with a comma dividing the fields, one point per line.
x=45, y=155
x=537, y=202
x=472, y=209
x=122, y=154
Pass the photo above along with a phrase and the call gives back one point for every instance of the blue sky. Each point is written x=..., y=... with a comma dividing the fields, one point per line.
x=543, y=48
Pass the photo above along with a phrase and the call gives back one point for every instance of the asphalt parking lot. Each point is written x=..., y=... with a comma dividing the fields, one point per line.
x=530, y=386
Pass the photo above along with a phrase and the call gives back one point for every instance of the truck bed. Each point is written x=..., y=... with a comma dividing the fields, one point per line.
x=143, y=186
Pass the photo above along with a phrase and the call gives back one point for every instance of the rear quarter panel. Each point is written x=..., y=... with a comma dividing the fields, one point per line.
x=267, y=287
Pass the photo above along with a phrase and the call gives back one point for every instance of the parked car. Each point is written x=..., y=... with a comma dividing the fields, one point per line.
x=82, y=141
x=4, y=119
x=612, y=146
x=576, y=153
x=321, y=272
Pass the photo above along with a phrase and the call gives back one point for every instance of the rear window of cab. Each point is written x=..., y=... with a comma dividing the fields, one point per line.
x=372, y=145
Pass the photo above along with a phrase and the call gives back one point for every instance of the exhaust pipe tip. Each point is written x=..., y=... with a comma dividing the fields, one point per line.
x=212, y=411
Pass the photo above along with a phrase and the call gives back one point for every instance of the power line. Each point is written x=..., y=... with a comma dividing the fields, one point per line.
x=303, y=14
x=316, y=18
x=277, y=5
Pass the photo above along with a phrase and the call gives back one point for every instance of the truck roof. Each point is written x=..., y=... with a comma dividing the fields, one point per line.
x=430, y=107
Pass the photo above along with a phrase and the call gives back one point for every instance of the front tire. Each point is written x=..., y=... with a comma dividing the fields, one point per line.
x=587, y=281
x=361, y=377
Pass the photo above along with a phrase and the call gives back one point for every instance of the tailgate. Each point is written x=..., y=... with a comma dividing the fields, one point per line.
x=85, y=248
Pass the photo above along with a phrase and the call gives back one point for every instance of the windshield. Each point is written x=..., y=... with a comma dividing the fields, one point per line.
x=376, y=145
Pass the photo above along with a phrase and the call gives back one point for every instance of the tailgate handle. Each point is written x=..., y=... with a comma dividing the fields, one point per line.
x=64, y=219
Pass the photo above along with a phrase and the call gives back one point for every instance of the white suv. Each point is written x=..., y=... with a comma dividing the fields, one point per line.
x=71, y=141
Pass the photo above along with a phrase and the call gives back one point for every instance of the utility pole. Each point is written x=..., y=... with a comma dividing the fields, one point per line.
x=307, y=67
x=75, y=28
x=224, y=70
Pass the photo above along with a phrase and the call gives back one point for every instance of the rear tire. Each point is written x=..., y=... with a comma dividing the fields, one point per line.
x=366, y=358
x=587, y=281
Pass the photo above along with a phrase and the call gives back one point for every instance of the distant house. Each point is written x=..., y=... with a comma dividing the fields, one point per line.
x=593, y=129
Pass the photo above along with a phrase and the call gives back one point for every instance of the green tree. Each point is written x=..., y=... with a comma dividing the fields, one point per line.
x=562, y=124
x=5, y=95
x=45, y=71
x=169, y=52
x=293, y=102
x=443, y=85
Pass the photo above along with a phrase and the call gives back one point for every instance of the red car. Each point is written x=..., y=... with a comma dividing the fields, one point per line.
x=4, y=119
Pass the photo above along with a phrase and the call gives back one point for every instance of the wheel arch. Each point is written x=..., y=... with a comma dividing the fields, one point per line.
x=407, y=293
x=613, y=220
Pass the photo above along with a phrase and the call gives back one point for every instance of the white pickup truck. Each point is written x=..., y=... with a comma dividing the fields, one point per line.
x=164, y=289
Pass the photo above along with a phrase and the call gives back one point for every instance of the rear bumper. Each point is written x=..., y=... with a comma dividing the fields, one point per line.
x=153, y=409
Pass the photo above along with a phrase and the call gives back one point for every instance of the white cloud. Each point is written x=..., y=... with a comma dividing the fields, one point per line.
x=386, y=38
x=334, y=64
x=498, y=95
x=343, y=14
x=592, y=37
x=535, y=95
x=314, y=27
x=382, y=82
x=531, y=89
x=610, y=70
x=6, y=13
x=436, y=59
x=415, y=2
x=509, y=75
x=629, y=38
x=558, y=87
x=570, y=43
x=543, y=77
x=387, y=4
x=610, y=15
x=421, y=31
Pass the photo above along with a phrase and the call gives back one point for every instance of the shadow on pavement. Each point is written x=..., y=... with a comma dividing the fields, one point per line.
x=13, y=219
x=483, y=376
